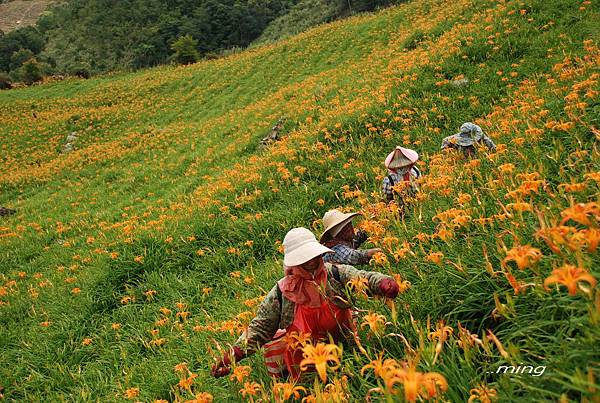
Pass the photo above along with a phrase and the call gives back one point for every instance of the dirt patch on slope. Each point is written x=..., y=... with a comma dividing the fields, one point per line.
x=21, y=13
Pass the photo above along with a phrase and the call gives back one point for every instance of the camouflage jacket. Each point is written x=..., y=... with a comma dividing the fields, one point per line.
x=451, y=142
x=271, y=315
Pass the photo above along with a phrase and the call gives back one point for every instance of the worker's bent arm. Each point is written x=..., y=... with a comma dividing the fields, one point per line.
x=264, y=325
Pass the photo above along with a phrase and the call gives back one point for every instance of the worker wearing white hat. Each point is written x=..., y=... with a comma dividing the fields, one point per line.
x=311, y=298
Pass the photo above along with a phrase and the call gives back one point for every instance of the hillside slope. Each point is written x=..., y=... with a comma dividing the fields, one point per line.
x=131, y=258
x=21, y=13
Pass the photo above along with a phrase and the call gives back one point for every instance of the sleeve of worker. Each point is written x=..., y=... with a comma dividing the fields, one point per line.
x=386, y=189
x=344, y=254
x=447, y=143
x=264, y=325
x=489, y=143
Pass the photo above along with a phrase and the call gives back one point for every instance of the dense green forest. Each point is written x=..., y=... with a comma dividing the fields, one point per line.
x=84, y=37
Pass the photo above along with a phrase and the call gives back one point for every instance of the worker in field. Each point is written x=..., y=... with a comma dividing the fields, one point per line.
x=400, y=182
x=470, y=134
x=310, y=303
x=340, y=237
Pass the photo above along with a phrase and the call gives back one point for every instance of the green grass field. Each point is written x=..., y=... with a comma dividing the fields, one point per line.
x=152, y=242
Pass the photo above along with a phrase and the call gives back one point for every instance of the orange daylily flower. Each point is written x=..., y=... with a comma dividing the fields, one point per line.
x=321, y=355
x=444, y=234
x=250, y=389
x=240, y=372
x=401, y=252
x=359, y=286
x=592, y=238
x=580, y=213
x=529, y=187
x=402, y=284
x=182, y=368
x=572, y=187
x=570, y=276
x=519, y=206
x=441, y=335
x=483, y=394
x=150, y=294
x=595, y=176
x=417, y=384
x=158, y=342
x=284, y=391
x=379, y=259
x=375, y=321
x=523, y=255
x=435, y=257
x=506, y=168
x=295, y=339
x=203, y=397
x=380, y=366
x=131, y=393
x=422, y=237
x=186, y=383
x=556, y=236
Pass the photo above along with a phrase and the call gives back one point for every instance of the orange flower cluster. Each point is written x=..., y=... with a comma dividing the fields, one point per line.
x=415, y=384
x=523, y=255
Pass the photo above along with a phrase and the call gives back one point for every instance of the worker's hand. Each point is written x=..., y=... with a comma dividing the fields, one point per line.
x=389, y=288
x=359, y=238
x=222, y=368
x=373, y=252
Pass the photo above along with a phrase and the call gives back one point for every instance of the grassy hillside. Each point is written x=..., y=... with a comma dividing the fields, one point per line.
x=148, y=247
x=302, y=16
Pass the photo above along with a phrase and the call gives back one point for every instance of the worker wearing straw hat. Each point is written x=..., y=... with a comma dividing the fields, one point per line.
x=402, y=173
x=340, y=237
x=310, y=299
x=470, y=134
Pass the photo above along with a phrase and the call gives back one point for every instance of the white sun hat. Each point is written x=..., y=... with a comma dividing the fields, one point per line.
x=300, y=245
x=334, y=221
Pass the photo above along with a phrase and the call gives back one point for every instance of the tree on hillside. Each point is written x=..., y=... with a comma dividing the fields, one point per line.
x=186, y=50
x=23, y=38
x=19, y=57
x=29, y=73
x=5, y=82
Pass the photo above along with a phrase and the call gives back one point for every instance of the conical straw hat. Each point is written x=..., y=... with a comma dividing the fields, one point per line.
x=334, y=221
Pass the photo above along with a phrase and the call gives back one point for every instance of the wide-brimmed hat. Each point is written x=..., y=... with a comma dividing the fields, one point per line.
x=300, y=245
x=469, y=134
x=334, y=221
x=401, y=157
